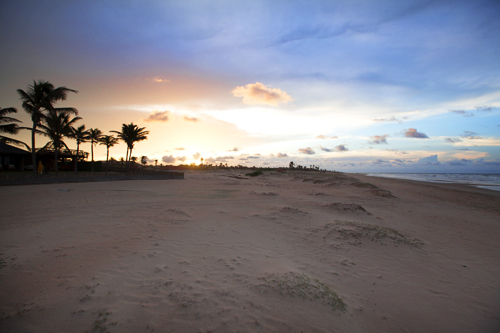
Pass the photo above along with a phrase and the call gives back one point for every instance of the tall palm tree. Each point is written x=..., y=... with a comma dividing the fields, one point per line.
x=108, y=141
x=7, y=125
x=81, y=135
x=38, y=98
x=56, y=126
x=95, y=135
x=131, y=134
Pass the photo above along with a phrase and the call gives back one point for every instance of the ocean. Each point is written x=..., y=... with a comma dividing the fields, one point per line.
x=489, y=181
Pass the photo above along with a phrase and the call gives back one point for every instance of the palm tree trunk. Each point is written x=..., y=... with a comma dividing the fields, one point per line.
x=126, y=159
x=92, y=151
x=55, y=160
x=130, y=157
x=76, y=159
x=33, y=152
x=107, y=160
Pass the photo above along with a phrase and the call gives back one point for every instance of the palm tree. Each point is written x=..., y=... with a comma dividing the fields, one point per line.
x=131, y=134
x=7, y=126
x=81, y=135
x=108, y=141
x=56, y=126
x=38, y=98
x=95, y=135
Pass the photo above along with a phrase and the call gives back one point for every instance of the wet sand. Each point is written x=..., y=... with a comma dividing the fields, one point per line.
x=222, y=252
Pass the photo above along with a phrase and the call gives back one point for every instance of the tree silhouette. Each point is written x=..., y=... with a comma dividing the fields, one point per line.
x=56, y=126
x=108, y=141
x=39, y=98
x=131, y=134
x=95, y=135
x=80, y=135
x=7, y=126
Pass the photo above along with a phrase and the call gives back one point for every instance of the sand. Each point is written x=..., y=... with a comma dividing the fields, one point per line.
x=222, y=252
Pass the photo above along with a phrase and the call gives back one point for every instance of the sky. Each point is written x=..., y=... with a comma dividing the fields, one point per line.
x=353, y=86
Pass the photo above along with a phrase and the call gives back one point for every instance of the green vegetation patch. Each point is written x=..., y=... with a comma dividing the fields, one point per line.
x=300, y=285
x=255, y=173
x=364, y=185
x=375, y=233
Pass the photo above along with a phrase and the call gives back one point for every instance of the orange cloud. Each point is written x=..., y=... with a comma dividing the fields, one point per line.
x=161, y=116
x=258, y=93
x=160, y=80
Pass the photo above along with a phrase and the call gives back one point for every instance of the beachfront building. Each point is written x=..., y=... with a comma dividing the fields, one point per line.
x=13, y=158
x=66, y=158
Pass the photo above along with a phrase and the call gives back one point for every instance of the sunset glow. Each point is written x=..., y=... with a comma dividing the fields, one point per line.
x=358, y=87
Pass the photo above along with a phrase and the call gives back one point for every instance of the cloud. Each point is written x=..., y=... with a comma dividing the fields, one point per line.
x=463, y=113
x=325, y=137
x=398, y=152
x=218, y=159
x=379, y=139
x=280, y=155
x=180, y=148
x=452, y=140
x=379, y=161
x=160, y=80
x=470, y=135
x=391, y=118
x=485, y=108
x=336, y=148
x=413, y=133
x=462, y=161
x=429, y=160
x=253, y=157
x=234, y=149
x=258, y=93
x=193, y=119
x=197, y=156
x=168, y=159
x=161, y=116
x=462, y=149
x=307, y=151
x=341, y=148
x=182, y=158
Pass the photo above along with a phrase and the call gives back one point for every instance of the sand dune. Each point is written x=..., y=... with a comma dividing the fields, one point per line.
x=222, y=252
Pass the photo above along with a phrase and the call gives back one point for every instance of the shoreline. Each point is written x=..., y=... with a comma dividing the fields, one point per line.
x=451, y=186
x=209, y=254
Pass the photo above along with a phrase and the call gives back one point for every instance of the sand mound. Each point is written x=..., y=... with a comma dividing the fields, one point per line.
x=364, y=185
x=300, y=285
x=270, y=194
x=292, y=210
x=356, y=232
x=342, y=207
x=381, y=193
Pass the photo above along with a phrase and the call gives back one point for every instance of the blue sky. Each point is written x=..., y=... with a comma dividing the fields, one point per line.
x=357, y=86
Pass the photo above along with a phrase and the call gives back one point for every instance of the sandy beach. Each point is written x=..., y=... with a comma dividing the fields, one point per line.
x=223, y=252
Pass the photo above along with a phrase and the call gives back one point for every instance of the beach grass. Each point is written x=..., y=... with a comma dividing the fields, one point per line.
x=375, y=233
x=300, y=285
